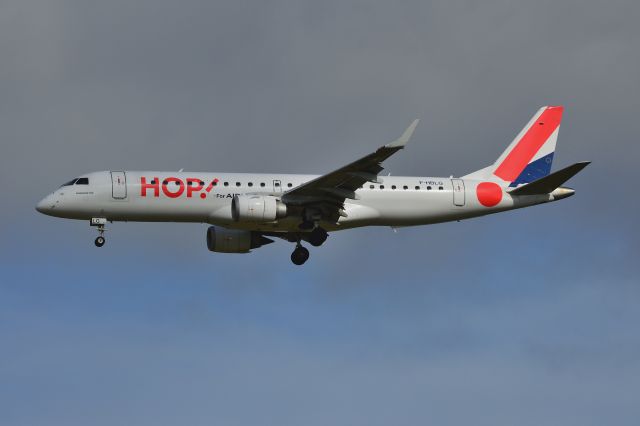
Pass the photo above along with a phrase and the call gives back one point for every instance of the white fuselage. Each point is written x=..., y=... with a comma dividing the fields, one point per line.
x=206, y=198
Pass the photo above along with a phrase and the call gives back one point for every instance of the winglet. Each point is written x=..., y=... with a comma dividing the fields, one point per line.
x=402, y=140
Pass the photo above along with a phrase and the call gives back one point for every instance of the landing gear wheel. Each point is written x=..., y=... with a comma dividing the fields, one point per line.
x=318, y=236
x=300, y=255
x=99, y=223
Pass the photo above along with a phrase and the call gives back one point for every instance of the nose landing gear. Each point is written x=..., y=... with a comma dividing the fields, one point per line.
x=99, y=223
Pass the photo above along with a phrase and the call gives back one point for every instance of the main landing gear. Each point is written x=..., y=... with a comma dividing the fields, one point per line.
x=299, y=255
x=316, y=238
x=99, y=223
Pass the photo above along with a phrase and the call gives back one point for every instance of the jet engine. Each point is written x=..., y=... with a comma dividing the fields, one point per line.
x=257, y=208
x=223, y=240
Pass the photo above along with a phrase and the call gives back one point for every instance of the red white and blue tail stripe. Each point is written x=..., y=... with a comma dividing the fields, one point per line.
x=530, y=155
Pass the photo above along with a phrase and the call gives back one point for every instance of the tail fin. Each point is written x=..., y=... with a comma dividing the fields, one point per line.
x=530, y=155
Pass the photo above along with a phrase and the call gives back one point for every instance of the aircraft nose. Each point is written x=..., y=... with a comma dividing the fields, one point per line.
x=45, y=205
x=40, y=206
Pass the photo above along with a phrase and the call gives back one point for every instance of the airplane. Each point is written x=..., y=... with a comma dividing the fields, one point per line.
x=247, y=210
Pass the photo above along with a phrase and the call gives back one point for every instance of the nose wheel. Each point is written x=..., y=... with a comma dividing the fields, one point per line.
x=300, y=255
x=99, y=223
x=99, y=242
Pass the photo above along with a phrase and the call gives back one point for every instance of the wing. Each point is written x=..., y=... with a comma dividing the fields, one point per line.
x=328, y=192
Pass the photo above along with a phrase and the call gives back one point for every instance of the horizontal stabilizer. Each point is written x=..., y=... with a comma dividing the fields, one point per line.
x=547, y=184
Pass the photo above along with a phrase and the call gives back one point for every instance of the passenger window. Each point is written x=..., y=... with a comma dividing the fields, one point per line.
x=405, y=187
x=237, y=183
x=215, y=183
x=440, y=188
x=262, y=184
x=417, y=187
x=289, y=185
x=165, y=182
x=371, y=186
x=381, y=186
x=277, y=184
x=153, y=181
x=393, y=187
x=226, y=184
x=250, y=183
x=428, y=188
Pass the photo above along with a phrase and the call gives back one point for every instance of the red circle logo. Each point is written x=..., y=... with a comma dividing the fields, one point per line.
x=489, y=193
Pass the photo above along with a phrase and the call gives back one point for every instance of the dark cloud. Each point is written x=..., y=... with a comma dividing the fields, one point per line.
x=524, y=318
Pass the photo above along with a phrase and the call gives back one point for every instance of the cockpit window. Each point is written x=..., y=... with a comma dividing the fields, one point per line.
x=82, y=181
x=71, y=182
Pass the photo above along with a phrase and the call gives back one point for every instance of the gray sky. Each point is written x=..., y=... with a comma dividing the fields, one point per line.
x=522, y=318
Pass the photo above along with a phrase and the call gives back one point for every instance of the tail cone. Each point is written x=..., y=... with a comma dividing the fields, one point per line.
x=562, y=192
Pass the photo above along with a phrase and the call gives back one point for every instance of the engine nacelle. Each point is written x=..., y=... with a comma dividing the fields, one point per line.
x=223, y=240
x=257, y=208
